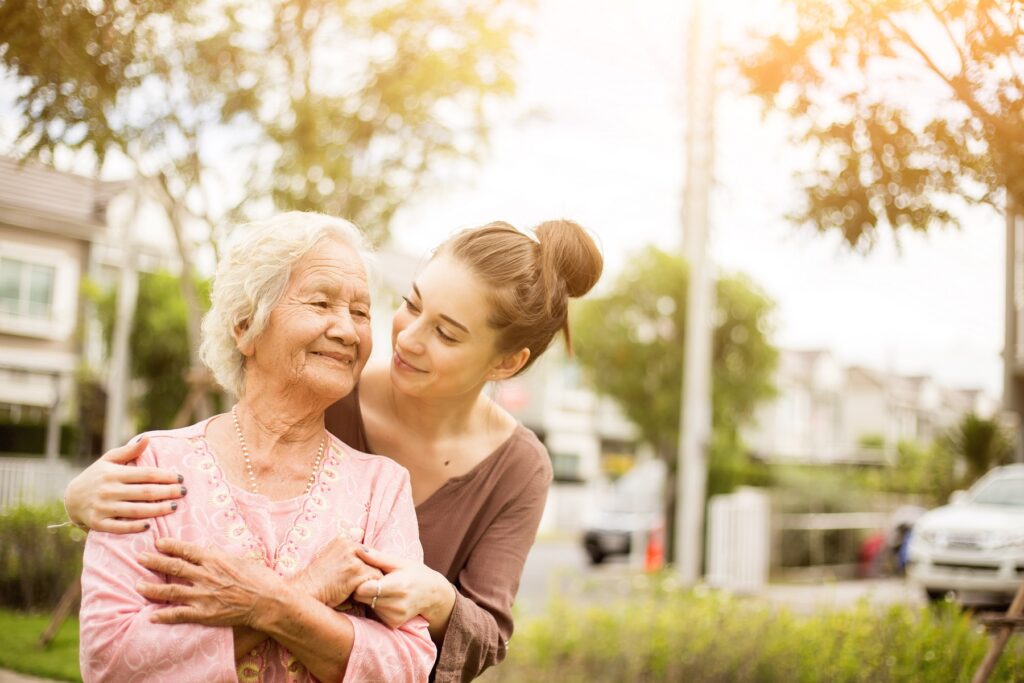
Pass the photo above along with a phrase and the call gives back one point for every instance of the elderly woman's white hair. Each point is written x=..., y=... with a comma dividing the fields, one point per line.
x=251, y=278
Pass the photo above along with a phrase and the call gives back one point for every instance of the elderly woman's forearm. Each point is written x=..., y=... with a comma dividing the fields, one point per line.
x=318, y=636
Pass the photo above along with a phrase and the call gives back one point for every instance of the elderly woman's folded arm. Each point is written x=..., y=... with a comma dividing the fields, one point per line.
x=118, y=641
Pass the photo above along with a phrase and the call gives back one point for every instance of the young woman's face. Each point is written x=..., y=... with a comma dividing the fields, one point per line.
x=442, y=343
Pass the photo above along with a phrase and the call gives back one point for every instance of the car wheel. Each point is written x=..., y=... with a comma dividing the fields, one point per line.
x=937, y=595
x=596, y=556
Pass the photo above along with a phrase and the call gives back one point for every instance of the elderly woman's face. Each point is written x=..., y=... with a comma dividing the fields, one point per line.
x=318, y=337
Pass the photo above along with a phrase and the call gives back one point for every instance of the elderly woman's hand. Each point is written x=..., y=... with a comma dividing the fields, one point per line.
x=408, y=588
x=224, y=590
x=335, y=572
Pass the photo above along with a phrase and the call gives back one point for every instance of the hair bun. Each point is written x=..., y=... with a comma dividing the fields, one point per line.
x=571, y=252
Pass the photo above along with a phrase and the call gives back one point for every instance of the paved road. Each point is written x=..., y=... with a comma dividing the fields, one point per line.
x=558, y=567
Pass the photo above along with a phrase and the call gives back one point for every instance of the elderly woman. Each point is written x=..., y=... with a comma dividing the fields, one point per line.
x=289, y=333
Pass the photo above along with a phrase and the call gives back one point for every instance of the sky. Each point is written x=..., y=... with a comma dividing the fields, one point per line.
x=595, y=134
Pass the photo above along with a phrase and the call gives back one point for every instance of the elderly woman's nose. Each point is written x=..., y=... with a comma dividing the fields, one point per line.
x=343, y=327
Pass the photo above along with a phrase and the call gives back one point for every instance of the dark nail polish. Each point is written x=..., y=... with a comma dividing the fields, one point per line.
x=174, y=506
x=184, y=490
x=145, y=527
x=180, y=479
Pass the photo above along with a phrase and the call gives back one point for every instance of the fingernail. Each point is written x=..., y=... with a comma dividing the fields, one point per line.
x=184, y=490
x=174, y=506
x=366, y=548
x=145, y=527
x=180, y=479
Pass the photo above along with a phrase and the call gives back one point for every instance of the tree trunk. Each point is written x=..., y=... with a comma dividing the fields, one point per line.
x=199, y=405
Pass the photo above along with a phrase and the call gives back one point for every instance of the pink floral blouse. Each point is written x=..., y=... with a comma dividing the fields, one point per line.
x=364, y=497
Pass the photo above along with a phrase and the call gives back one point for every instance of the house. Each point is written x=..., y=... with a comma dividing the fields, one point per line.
x=827, y=413
x=55, y=229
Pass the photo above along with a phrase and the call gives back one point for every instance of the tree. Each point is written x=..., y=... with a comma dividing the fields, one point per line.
x=341, y=107
x=224, y=107
x=160, y=354
x=850, y=73
x=630, y=343
x=980, y=444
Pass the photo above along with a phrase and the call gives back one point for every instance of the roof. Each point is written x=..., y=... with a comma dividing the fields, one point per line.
x=36, y=196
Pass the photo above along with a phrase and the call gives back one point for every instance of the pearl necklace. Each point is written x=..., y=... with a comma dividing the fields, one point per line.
x=253, y=486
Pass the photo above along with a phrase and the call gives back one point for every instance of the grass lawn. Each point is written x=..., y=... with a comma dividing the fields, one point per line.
x=19, y=649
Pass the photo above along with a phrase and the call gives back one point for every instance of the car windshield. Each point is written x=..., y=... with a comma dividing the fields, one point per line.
x=1005, y=491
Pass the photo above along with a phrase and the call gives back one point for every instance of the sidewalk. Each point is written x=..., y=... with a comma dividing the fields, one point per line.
x=806, y=598
x=12, y=677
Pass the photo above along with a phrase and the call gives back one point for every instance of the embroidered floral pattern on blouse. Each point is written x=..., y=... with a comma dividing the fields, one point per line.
x=287, y=555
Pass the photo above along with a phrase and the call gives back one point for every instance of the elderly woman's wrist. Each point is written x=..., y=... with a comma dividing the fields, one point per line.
x=301, y=583
x=278, y=607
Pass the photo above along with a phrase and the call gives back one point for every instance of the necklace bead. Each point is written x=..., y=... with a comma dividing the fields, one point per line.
x=250, y=470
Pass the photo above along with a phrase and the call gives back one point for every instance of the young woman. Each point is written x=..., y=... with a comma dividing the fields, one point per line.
x=484, y=309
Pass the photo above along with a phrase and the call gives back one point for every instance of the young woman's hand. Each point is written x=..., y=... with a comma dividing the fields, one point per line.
x=407, y=589
x=110, y=496
x=335, y=572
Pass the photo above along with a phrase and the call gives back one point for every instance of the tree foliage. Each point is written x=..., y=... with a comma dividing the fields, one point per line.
x=160, y=352
x=342, y=107
x=630, y=342
x=979, y=444
x=910, y=108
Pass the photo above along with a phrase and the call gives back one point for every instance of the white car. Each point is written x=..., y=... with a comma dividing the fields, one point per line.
x=974, y=545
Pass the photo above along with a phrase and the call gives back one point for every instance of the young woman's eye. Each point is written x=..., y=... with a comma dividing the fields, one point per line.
x=410, y=305
x=445, y=337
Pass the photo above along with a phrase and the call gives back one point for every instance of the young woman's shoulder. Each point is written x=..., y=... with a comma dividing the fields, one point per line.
x=529, y=456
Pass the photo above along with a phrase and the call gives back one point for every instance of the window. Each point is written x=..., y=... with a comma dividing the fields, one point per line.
x=26, y=289
x=566, y=467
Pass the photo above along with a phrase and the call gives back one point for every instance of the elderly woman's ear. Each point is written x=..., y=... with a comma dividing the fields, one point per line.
x=245, y=346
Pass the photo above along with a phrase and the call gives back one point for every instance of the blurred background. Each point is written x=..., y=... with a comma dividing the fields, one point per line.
x=810, y=329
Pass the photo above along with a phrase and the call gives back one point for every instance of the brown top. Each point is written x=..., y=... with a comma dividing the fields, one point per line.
x=476, y=530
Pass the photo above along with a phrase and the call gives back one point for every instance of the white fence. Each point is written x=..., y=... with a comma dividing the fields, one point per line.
x=739, y=531
x=33, y=480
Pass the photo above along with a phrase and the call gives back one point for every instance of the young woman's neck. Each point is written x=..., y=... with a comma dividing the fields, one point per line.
x=433, y=417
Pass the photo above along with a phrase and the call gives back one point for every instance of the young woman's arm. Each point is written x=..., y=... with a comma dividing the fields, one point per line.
x=113, y=497
x=472, y=624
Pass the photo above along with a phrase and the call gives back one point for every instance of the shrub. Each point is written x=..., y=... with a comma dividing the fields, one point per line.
x=708, y=637
x=37, y=564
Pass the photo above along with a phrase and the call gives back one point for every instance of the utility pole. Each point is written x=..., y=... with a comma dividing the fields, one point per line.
x=1013, y=333
x=695, y=417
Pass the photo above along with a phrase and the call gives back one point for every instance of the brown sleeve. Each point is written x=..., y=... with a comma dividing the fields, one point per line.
x=481, y=622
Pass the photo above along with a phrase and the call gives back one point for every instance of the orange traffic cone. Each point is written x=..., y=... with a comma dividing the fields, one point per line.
x=654, y=554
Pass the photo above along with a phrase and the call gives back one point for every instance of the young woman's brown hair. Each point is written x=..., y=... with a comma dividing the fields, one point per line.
x=531, y=280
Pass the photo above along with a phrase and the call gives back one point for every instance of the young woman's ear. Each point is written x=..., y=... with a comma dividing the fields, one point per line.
x=246, y=347
x=509, y=365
